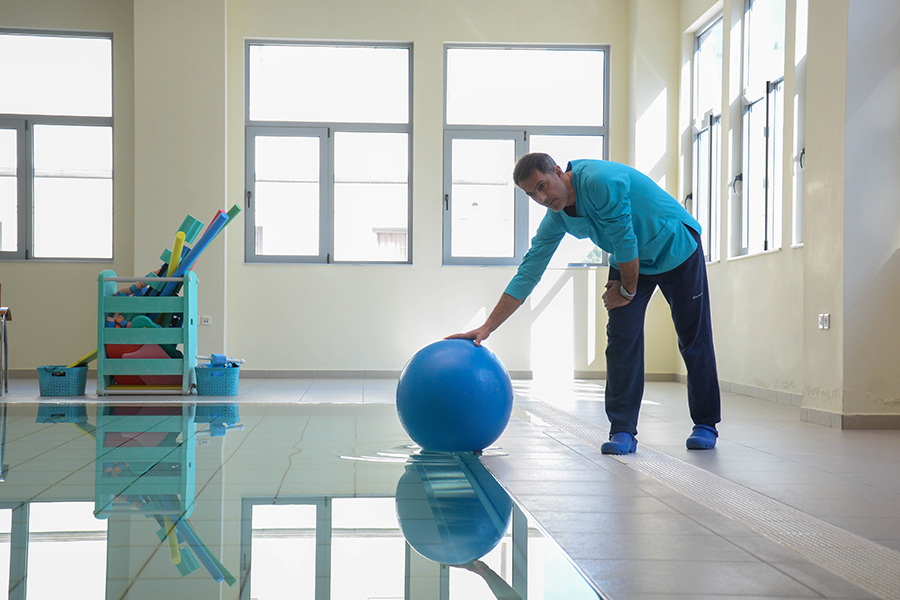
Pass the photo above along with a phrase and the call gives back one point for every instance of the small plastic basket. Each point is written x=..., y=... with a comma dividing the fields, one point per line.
x=62, y=381
x=217, y=380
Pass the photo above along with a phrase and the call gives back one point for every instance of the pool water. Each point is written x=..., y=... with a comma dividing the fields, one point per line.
x=257, y=501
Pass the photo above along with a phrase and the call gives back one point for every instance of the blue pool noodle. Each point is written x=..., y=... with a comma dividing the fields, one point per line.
x=189, y=260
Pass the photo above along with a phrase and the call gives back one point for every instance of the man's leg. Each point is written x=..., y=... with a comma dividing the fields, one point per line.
x=687, y=292
x=625, y=358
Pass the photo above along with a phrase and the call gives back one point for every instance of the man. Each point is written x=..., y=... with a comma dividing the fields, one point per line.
x=652, y=242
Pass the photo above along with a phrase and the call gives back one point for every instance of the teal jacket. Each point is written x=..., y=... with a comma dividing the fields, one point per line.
x=623, y=212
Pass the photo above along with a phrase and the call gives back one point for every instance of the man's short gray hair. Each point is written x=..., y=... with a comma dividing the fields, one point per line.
x=528, y=164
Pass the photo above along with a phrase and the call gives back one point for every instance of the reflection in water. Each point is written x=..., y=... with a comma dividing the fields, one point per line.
x=143, y=469
x=145, y=464
x=452, y=511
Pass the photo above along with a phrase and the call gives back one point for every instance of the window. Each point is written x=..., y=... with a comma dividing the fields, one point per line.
x=762, y=131
x=45, y=546
x=499, y=105
x=707, y=107
x=328, y=153
x=316, y=546
x=56, y=167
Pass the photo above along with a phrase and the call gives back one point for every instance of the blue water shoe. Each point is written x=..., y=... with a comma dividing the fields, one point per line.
x=703, y=437
x=620, y=443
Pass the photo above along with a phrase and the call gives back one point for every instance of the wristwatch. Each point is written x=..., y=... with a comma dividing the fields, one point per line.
x=625, y=293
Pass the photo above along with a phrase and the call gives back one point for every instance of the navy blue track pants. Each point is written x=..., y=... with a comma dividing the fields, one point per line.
x=687, y=292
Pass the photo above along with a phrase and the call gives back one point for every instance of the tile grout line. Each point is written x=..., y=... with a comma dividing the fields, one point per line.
x=862, y=562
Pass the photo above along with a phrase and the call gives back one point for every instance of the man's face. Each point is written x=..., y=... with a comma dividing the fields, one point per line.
x=547, y=189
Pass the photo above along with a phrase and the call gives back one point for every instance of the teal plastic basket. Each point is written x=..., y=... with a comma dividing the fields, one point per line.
x=62, y=381
x=217, y=380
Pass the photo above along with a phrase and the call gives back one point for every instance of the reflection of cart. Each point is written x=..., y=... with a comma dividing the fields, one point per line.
x=145, y=460
x=145, y=463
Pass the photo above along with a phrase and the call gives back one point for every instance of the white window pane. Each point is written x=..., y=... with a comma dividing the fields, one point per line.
x=287, y=195
x=776, y=152
x=482, y=198
x=371, y=196
x=506, y=86
x=70, y=150
x=72, y=218
x=283, y=547
x=370, y=222
x=766, y=30
x=365, y=531
x=712, y=231
x=9, y=226
x=563, y=149
x=65, y=544
x=73, y=200
x=754, y=192
x=5, y=530
x=364, y=513
x=327, y=83
x=709, y=71
x=55, y=75
x=702, y=184
x=284, y=516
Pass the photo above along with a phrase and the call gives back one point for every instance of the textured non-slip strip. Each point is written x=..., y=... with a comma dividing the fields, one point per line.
x=864, y=563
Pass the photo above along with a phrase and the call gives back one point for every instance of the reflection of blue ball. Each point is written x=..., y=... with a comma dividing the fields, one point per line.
x=454, y=396
x=451, y=512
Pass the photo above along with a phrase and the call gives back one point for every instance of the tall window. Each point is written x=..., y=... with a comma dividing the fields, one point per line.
x=764, y=38
x=56, y=168
x=328, y=152
x=501, y=103
x=45, y=546
x=707, y=130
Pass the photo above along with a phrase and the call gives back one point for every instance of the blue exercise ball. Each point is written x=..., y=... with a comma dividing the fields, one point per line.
x=454, y=396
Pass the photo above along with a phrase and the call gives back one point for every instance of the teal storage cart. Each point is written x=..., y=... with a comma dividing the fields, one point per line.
x=177, y=372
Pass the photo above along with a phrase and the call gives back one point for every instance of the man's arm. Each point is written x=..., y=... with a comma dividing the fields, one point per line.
x=612, y=297
x=506, y=306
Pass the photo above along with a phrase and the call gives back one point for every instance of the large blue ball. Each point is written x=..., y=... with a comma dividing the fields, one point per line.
x=454, y=396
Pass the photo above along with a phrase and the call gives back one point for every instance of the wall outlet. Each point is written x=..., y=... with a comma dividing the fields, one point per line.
x=205, y=320
x=824, y=321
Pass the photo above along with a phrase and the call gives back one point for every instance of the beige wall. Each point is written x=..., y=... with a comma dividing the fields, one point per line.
x=54, y=303
x=823, y=270
x=375, y=317
x=872, y=210
x=179, y=144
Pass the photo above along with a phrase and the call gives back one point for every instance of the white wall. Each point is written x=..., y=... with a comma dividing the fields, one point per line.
x=872, y=209
x=179, y=140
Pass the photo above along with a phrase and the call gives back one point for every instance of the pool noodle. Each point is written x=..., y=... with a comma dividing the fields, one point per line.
x=188, y=534
x=218, y=212
x=172, y=538
x=188, y=261
x=176, y=253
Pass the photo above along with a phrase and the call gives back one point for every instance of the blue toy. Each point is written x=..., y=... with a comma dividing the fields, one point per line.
x=454, y=396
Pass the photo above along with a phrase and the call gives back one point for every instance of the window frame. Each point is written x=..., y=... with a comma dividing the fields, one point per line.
x=24, y=124
x=710, y=125
x=252, y=128
x=763, y=96
x=521, y=133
